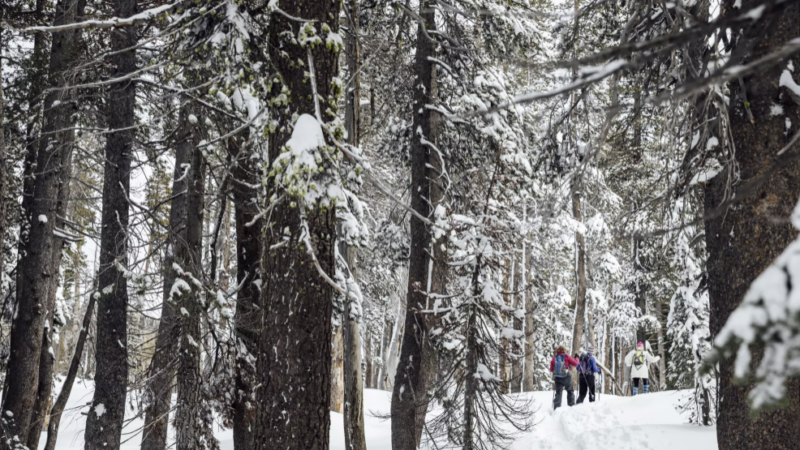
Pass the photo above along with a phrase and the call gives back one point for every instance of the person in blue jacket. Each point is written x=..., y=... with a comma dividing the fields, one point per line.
x=586, y=370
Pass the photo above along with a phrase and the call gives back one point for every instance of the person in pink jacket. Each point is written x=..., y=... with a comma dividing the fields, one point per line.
x=560, y=366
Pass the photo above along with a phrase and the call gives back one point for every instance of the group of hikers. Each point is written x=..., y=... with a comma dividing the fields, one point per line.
x=637, y=360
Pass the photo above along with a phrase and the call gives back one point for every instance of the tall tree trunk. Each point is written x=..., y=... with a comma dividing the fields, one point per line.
x=72, y=372
x=295, y=343
x=354, y=438
x=416, y=368
x=503, y=359
x=394, y=347
x=609, y=357
x=3, y=168
x=162, y=366
x=705, y=410
x=641, y=288
x=662, y=363
x=529, y=377
x=67, y=341
x=53, y=157
x=225, y=246
x=47, y=359
x=37, y=80
x=580, y=272
x=192, y=420
x=368, y=354
x=590, y=332
x=624, y=371
x=385, y=330
x=104, y=423
x=472, y=357
x=378, y=358
x=519, y=303
x=352, y=114
x=388, y=334
x=249, y=224
x=337, y=369
x=746, y=238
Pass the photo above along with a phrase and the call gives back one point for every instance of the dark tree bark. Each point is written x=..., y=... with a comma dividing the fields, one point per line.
x=743, y=240
x=3, y=172
x=66, y=388
x=36, y=75
x=47, y=359
x=104, y=422
x=192, y=426
x=295, y=343
x=35, y=270
x=416, y=368
x=3, y=167
x=36, y=85
x=162, y=366
x=640, y=288
x=352, y=113
x=245, y=175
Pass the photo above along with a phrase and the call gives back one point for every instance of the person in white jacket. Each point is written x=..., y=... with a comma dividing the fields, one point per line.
x=639, y=361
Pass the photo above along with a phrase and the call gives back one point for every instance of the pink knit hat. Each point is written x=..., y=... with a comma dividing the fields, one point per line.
x=640, y=344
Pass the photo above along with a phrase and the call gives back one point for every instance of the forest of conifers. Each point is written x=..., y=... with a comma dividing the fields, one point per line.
x=243, y=213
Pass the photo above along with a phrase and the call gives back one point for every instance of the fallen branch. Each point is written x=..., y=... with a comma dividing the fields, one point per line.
x=608, y=372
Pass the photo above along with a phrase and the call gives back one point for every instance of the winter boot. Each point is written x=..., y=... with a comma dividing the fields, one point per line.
x=636, y=390
x=645, y=388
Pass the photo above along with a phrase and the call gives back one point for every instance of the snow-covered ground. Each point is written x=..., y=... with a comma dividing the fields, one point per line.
x=644, y=422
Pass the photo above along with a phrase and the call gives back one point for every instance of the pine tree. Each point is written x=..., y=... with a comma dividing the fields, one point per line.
x=295, y=339
x=742, y=241
x=36, y=265
x=105, y=420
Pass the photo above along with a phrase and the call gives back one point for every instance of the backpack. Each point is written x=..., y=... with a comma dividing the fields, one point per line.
x=586, y=364
x=561, y=366
x=638, y=359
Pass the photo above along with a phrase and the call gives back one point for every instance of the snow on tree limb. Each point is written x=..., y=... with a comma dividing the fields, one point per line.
x=114, y=22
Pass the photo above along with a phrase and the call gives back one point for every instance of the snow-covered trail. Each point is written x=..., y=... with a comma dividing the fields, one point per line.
x=644, y=422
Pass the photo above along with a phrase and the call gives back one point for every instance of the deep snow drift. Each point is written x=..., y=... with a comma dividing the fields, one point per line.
x=644, y=422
